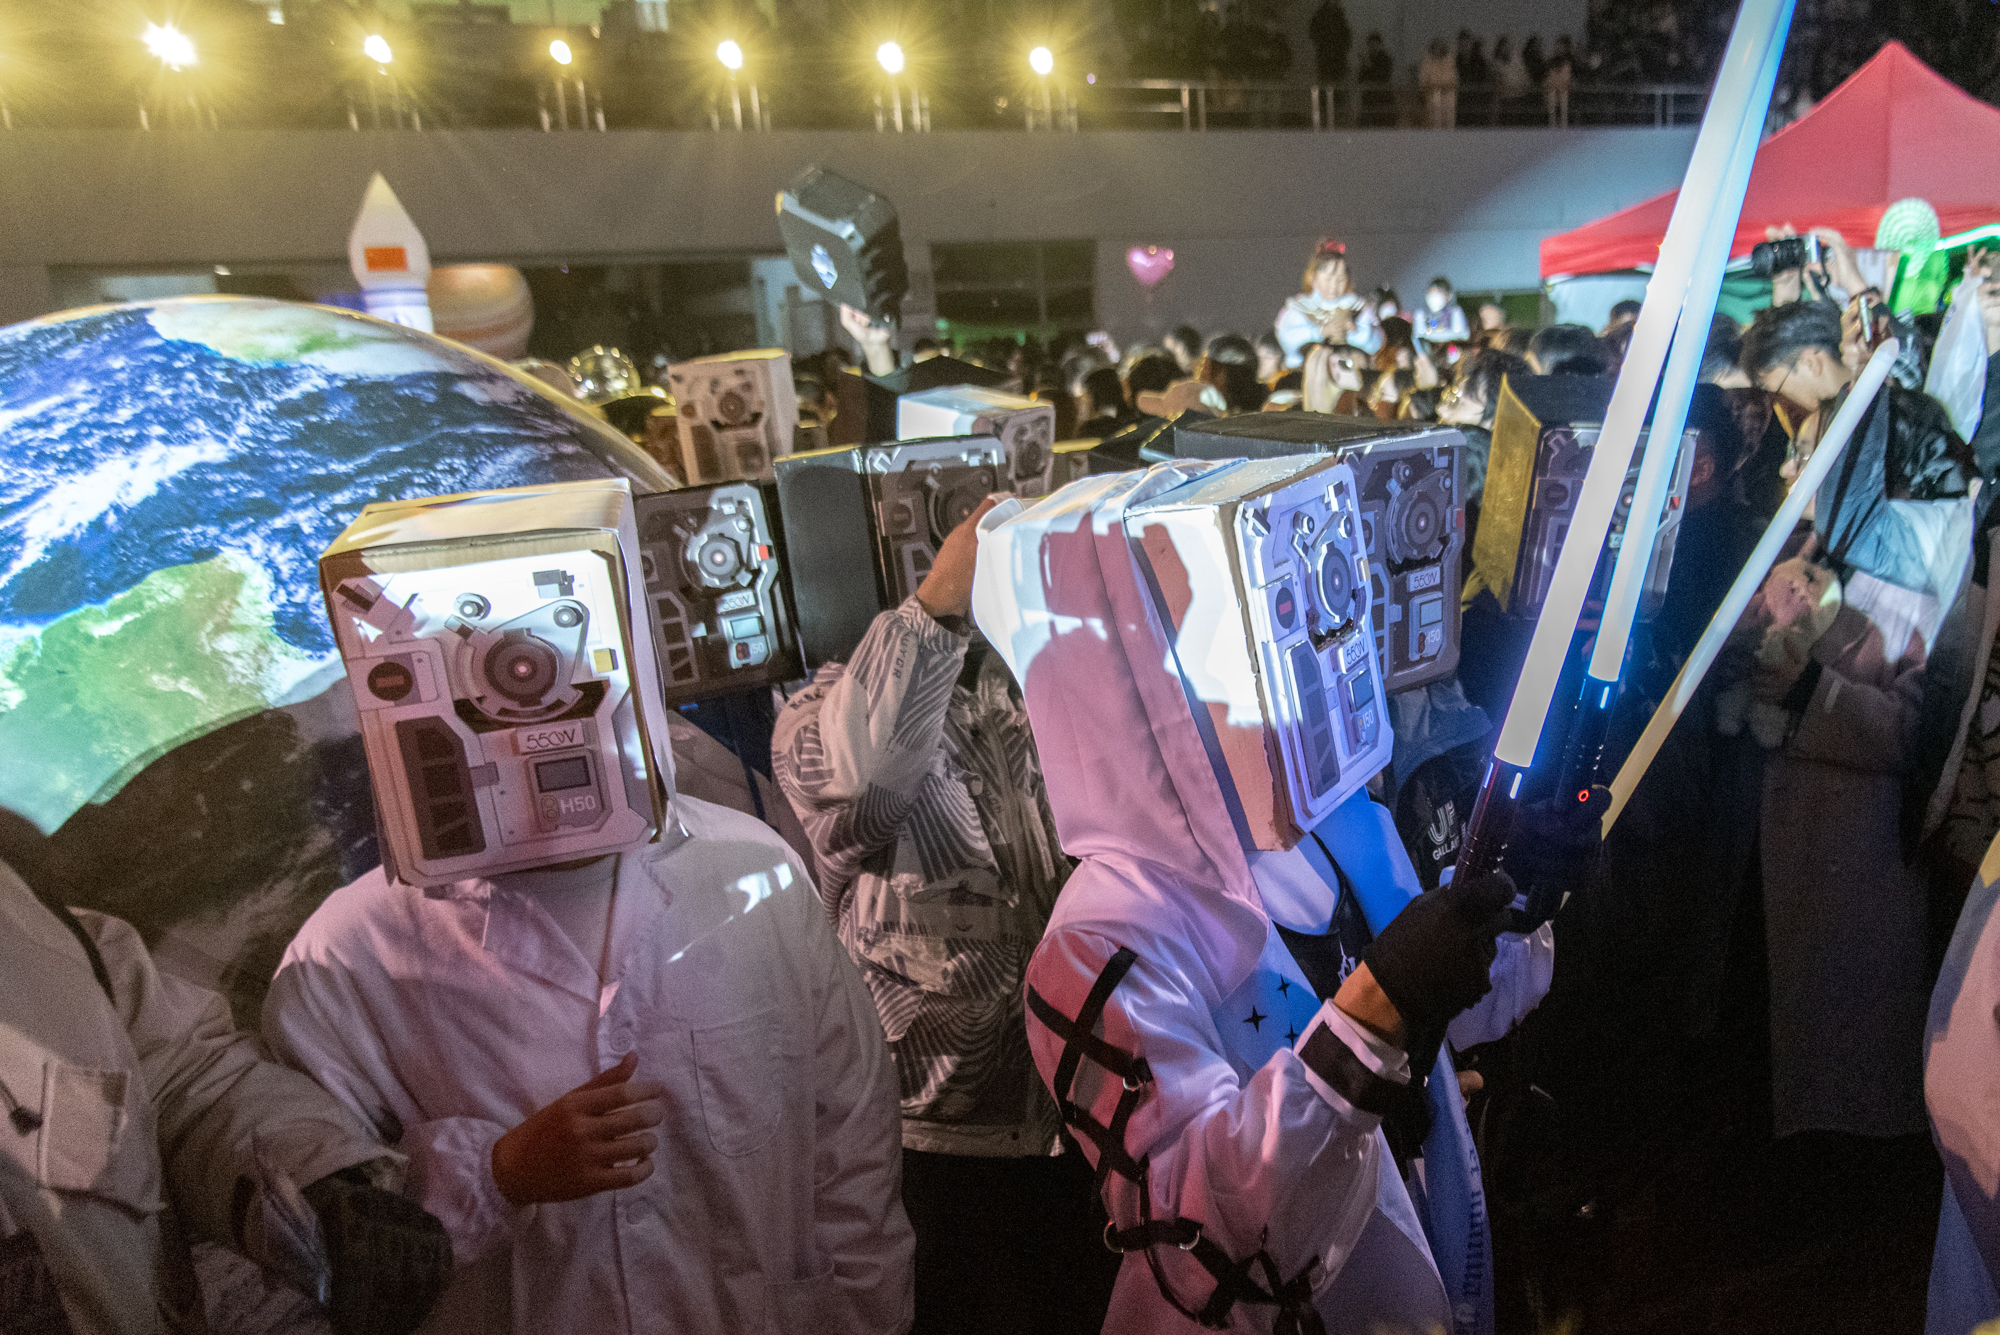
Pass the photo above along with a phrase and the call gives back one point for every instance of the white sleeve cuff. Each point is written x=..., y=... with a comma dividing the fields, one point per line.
x=1349, y=1066
x=451, y=1175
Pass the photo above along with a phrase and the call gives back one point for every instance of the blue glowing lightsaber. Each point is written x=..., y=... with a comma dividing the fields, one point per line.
x=1642, y=523
x=1760, y=26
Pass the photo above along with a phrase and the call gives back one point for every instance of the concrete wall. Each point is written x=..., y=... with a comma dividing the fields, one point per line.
x=1239, y=209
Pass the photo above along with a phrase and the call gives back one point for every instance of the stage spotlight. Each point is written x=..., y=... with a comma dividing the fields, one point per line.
x=731, y=55
x=376, y=48
x=170, y=46
x=559, y=52
x=1042, y=61
x=890, y=57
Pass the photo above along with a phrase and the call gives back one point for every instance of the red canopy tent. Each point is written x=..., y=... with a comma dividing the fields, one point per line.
x=1893, y=129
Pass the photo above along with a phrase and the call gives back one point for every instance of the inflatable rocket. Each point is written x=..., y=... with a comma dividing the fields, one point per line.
x=390, y=259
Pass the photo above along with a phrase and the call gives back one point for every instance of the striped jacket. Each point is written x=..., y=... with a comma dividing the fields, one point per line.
x=939, y=864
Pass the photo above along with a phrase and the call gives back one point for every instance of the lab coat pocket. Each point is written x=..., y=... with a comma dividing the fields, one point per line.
x=87, y=1139
x=800, y=1305
x=736, y=1068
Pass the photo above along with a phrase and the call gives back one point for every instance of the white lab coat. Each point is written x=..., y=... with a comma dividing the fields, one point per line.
x=448, y=1016
x=1265, y=1154
x=147, y=1110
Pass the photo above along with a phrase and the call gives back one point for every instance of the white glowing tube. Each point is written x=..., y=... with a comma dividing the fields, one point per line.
x=1766, y=552
x=1635, y=553
x=1758, y=24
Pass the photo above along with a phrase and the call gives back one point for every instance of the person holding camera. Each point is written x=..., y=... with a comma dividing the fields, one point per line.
x=913, y=771
x=1844, y=699
x=1329, y=310
x=140, y=1120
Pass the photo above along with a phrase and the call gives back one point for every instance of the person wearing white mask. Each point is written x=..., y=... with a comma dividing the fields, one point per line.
x=1228, y=1019
x=1442, y=320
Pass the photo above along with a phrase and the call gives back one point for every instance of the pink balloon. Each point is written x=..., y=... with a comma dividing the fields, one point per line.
x=1149, y=264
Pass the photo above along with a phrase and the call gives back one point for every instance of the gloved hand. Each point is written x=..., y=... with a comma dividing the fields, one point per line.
x=30, y=1303
x=1433, y=958
x=1552, y=853
x=389, y=1256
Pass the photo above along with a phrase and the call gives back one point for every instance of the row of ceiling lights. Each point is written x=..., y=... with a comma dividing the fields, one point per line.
x=175, y=50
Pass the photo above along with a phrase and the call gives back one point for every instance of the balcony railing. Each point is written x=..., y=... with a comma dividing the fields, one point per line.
x=1193, y=105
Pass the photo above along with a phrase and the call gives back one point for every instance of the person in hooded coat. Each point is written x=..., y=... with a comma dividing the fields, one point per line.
x=1845, y=913
x=1180, y=1000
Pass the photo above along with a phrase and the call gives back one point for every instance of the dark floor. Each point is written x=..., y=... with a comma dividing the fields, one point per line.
x=1652, y=1199
x=1828, y=1238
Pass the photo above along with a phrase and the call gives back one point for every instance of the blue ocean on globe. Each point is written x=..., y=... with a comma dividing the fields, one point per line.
x=171, y=706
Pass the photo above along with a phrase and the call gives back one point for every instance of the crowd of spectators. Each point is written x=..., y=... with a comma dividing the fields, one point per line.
x=1785, y=831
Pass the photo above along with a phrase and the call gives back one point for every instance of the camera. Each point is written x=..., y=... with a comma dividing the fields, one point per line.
x=1544, y=429
x=736, y=413
x=1260, y=574
x=1409, y=488
x=863, y=524
x=714, y=577
x=506, y=704
x=1026, y=428
x=1791, y=252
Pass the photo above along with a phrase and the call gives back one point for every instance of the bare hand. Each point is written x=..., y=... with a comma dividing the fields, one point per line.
x=1336, y=327
x=1857, y=339
x=1983, y=263
x=594, y=1138
x=1317, y=391
x=947, y=590
x=1838, y=258
x=873, y=339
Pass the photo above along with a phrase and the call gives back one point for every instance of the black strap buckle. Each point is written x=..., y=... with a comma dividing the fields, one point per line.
x=1233, y=1282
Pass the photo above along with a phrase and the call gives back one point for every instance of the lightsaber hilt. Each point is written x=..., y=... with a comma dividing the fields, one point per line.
x=1491, y=823
x=1585, y=752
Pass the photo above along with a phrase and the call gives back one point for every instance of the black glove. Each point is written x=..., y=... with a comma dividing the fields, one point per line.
x=391, y=1258
x=1553, y=853
x=30, y=1303
x=1433, y=958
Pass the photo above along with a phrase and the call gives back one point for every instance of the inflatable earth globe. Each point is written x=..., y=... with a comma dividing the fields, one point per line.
x=172, y=710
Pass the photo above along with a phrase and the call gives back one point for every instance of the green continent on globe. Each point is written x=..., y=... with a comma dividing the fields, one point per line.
x=97, y=694
x=287, y=333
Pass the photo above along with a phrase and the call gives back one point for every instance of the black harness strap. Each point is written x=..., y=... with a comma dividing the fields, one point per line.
x=1233, y=1279
x=1079, y=1042
x=1334, y=1062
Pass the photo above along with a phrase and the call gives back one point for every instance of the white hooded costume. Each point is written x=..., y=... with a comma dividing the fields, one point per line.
x=1234, y=1118
x=446, y=1016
